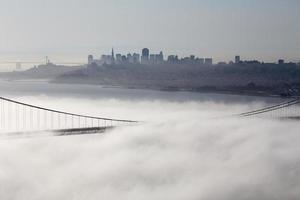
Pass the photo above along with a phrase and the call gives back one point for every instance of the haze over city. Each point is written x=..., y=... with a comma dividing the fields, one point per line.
x=261, y=29
x=149, y=99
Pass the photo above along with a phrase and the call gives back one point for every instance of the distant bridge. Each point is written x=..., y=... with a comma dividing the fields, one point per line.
x=21, y=118
x=37, y=62
x=19, y=63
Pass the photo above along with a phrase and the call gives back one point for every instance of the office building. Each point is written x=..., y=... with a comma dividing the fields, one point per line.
x=152, y=59
x=145, y=56
x=90, y=59
x=200, y=61
x=118, y=58
x=237, y=59
x=208, y=61
x=112, y=56
x=136, y=58
x=129, y=58
x=159, y=59
x=281, y=62
x=172, y=59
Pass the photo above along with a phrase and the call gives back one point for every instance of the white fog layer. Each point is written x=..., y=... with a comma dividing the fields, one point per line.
x=183, y=150
x=149, y=100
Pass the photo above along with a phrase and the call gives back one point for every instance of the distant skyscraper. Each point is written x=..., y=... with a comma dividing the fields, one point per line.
x=237, y=59
x=90, y=59
x=124, y=59
x=208, y=61
x=281, y=62
x=145, y=56
x=159, y=58
x=145, y=52
x=118, y=58
x=171, y=59
x=106, y=59
x=113, y=56
x=130, y=58
x=200, y=61
x=152, y=59
x=136, y=58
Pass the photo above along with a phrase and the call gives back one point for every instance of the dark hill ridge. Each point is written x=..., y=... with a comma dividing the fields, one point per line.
x=48, y=71
x=244, y=78
x=269, y=79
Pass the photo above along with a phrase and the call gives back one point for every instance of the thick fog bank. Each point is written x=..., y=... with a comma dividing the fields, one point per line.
x=183, y=151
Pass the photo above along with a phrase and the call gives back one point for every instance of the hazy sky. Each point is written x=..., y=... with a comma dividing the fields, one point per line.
x=263, y=29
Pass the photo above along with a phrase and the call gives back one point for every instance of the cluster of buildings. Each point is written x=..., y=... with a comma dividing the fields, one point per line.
x=239, y=61
x=135, y=58
x=189, y=60
x=146, y=59
x=156, y=59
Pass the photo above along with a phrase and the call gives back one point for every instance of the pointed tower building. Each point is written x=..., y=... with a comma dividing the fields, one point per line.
x=112, y=56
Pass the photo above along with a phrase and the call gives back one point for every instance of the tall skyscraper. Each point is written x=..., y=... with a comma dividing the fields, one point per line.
x=145, y=56
x=112, y=56
x=90, y=59
x=160, y=58
x=237, y=59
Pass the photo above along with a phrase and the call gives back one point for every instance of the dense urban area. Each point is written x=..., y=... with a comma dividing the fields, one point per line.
x=154, y=71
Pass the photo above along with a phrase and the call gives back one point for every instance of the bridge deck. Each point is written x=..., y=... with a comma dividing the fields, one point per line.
x=290, y=118
x=63, y=132
x=81, y=131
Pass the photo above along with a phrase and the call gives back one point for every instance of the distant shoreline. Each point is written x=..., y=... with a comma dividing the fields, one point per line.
x=261, y=80
x=215, y=91
x=203, y=91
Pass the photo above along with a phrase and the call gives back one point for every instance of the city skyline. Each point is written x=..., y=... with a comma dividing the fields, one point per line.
x=146, y=56
x=266, y=29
